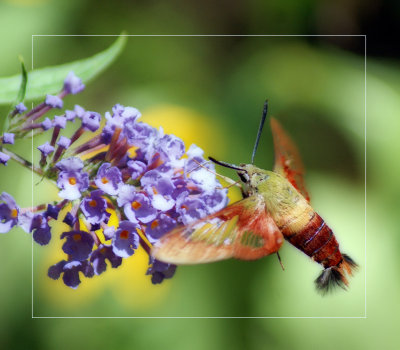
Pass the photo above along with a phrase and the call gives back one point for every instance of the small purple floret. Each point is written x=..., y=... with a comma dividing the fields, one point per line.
x=70, y=219
x=72, y=184
x=91, y=121
x=200, y=176
x=159, y=271
x=71, y=180
x=71, y=271
x=99, y=256
x=78, y=245
x=70, y=115
x=190, y=208
x=8, y=138
x=125, y=194
x=20, y=108
x=109, y=232
x=53, y=101
x=79, y=111
x=216, y=200
x=40, y=230
x=170, y=147
x=139, y=208
x=46, y=149
x=160, y=226
x=160, y=188
x=136, y=168
x=130, y=113
x=73, y=84
x=9, y=212
x=25, y=220
x=94, y=208
x=141, y=135
x=60, y=121
x=52, y=211
x=4, y=158
x=56, y=270
x=120, y=117
x=64, y=142
x=46, y=124
x=70, y=164
x=108, y=179
x=126, y=239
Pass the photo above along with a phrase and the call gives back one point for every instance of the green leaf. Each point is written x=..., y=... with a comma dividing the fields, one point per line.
x=22, y=87
x=20, y=97
x=50, y=80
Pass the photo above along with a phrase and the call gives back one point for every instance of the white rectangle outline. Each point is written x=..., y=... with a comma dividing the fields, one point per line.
x=365, y=166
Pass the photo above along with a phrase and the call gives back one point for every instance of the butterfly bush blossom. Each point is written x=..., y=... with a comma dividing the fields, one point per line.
x=126, y=167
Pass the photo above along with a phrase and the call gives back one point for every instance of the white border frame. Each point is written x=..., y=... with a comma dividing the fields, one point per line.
x=365, y=171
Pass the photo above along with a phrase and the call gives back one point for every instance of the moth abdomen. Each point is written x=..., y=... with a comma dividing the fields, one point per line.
x=317, y=240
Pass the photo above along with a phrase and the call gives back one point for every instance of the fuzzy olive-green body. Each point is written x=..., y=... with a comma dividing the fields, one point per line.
x=285, y=204
x=293, y=215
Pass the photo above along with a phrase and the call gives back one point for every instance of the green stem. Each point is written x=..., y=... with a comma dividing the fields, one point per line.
x=27, y=164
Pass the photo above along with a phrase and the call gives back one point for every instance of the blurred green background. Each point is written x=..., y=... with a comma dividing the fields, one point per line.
x=210, y=91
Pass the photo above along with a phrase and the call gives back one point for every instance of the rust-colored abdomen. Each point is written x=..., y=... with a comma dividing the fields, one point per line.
x=316, y=240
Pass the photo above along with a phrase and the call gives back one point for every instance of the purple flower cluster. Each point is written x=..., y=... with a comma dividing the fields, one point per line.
x=9, y=212
x=133, y=169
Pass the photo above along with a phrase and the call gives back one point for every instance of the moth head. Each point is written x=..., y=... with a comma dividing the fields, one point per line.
x=252, y=175
x=244, y=176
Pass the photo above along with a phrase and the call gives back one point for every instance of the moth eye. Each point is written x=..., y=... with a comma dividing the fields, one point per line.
x=244, y=177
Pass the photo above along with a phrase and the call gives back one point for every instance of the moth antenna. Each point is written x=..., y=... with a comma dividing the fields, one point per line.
x=280, y=261
x=226, y=165
x=227, y=179
x=260, y=128
x=335, y=276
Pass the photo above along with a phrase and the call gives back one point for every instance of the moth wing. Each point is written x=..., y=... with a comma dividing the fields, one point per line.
x=287, y=158
x=243, y=230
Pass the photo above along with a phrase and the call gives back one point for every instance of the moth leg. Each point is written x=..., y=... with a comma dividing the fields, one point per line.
x=229, y=186
x=280, y=261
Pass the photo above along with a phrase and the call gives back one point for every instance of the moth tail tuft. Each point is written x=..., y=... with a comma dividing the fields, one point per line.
x=349, y=264
x=335, y=276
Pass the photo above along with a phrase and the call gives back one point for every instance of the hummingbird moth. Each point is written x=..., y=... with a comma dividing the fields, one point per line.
x=275, y=206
